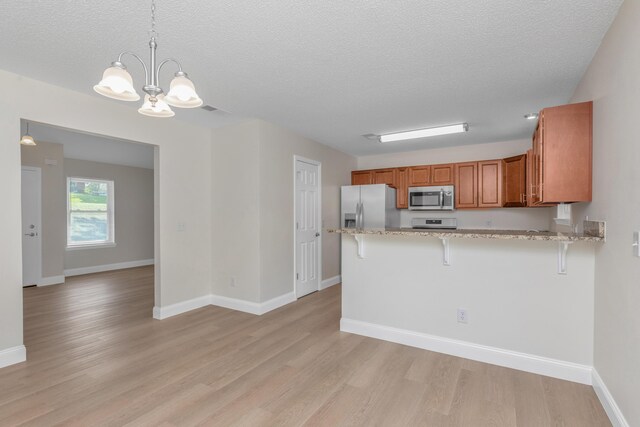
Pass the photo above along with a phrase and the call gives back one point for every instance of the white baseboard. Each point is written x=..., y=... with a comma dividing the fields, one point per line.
x=277, y=302
x=496, y=356
x=608, y=403
x=253, y=307
x=226, y=302
x=327, y=283
x=236, y=304
x=13, y=355
x=181, y=307
x=107, y=267
x=51, y=280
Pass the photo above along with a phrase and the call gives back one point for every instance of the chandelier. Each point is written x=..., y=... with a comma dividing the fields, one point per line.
x=117, y=83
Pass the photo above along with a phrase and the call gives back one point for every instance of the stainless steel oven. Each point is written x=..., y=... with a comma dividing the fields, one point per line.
x=436, y=198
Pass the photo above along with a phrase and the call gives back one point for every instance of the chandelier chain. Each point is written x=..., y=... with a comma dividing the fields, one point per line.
x=153, y=31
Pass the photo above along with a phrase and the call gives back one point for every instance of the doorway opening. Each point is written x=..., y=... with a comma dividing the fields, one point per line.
x=88, y=207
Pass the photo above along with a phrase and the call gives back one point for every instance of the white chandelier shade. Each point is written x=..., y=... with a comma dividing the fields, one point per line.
x=157, y=108
x=117, y=83
x=27, y=140
x=182, y=93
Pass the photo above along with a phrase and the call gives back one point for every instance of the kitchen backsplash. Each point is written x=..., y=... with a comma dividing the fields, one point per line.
x=499, y=219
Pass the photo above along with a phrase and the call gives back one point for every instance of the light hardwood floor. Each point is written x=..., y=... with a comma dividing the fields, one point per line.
x=96, y=357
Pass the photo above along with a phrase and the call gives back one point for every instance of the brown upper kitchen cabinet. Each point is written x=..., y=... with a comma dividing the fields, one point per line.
x=490, y=184
x=361, y=177
x=402, y=188
x=385, y=176
x=514, y=181
x=442, y=175
x=562, y=154
x=466, y=182
x=419, y=175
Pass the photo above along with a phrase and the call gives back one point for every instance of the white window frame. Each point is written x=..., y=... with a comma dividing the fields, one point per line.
x=110, y=216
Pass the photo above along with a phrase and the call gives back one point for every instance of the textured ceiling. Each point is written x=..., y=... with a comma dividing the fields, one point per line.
x=331, y=70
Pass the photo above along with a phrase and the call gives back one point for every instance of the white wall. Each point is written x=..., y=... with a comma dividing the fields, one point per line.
x=514, y=297
x=253, y=239
x=184, y=159
x=612, y=81
x=133, y=201
x=463, y=153
x=277, y=148
x=236, y=218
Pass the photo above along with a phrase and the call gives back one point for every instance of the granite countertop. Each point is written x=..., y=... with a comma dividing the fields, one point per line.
x=477, y=234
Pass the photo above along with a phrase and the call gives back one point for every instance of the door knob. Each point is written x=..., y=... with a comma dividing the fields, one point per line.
x=30, y=234
x=317, y=234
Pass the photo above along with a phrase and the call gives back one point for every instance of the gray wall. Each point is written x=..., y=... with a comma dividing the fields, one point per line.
x=133, y=215
x=54, y=205
x=133, y=191
x=612, y=81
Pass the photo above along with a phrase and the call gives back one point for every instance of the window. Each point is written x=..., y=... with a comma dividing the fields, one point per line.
x=89, y=212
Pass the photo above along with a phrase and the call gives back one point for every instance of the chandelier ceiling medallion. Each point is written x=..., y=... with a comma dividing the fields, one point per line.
x=117, y=83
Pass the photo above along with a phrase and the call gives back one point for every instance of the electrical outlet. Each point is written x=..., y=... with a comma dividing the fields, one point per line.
x=462, y=316
x=489, y=224
x=232, y=282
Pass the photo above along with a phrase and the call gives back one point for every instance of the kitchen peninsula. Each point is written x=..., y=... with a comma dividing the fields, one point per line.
x=476, y=294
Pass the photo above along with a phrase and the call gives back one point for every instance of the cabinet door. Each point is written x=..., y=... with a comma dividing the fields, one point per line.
x=514, y=172
x=466, y=185
x=361, y=177
x=402, y=188
x=419, y=175
x=530, y=178
x=385, y=176
x=442, y=175
x=565, y=136
x=490, y=184
x=536, y=168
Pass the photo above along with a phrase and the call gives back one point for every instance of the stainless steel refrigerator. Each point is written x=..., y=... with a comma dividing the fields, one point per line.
x=369, y=206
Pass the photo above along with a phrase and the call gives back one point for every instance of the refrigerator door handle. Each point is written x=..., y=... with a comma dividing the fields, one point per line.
x=357, y=215
x=361, y=216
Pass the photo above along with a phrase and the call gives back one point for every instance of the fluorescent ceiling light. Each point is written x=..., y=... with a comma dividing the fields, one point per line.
x=424, y=133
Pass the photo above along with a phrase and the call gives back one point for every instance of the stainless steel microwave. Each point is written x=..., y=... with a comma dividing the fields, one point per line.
x=437, y=198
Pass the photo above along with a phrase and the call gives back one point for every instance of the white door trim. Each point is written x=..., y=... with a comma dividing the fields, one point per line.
x=296, y=159
x=38, y=172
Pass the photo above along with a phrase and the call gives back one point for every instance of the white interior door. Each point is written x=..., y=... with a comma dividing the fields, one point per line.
x=31, y=217
x=307, y=220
